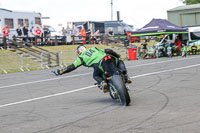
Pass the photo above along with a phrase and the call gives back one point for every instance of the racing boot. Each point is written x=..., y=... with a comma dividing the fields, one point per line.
x=56, y=72
x=103, y=86
x=127, y=79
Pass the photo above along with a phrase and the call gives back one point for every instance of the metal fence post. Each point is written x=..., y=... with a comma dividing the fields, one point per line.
x=22, y=62
x=61, y=59
x=41, y=65
x=57, y=59
x=3, y=69
x=49, y=59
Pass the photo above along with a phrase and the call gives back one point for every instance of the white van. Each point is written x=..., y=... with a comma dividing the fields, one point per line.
x=193, y=35
x=15, y=18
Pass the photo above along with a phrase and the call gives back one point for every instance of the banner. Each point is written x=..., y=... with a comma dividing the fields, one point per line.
x=196, y=43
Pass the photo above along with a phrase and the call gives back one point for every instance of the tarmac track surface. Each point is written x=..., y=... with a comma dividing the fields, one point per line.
x=165, y=98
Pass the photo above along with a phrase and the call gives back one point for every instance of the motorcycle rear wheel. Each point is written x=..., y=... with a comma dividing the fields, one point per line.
x=121, y=89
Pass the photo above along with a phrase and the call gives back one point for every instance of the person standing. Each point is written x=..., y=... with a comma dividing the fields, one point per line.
x=68, y=34
x=63, y=32
x=46, y=33
x=73, y=33
x=73, y=30
x=6, y=31
x=110, y=36
x=144, y=49
x=25, y=32
x=194, y=49
x=95, y=37
x=88, y=35
x=38, y=34
x=19, y=31
x=178, y=43
x=83, y=34
x=77, y=33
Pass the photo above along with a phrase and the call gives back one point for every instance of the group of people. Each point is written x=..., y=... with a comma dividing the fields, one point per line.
x=41, y=33
x=77, y=33
x=27, y=34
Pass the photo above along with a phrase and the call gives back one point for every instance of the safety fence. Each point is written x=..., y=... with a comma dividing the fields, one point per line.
x=60, y=40
x=24, y=62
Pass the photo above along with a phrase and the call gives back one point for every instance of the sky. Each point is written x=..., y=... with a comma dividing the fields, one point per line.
x=133, y=12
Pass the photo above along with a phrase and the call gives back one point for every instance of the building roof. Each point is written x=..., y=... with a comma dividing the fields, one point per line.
x=19, y=11
x=185, y=7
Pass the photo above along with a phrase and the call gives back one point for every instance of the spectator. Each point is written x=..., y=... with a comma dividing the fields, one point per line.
x=6, y=31
x=110, y=36
x=38, y=34
x=95, y=36
x=144, y=49
x=194, y=49
x=77, y=33
x=88, y=34
x=19, y=31
x=83, y=34
x=46, y=33
x=111, y=33
x=32, y=34
x=73, y=30
x=42, y=33
x=63, y=32
x=25, y=32
x=73, y=33
x=178, y=43
x=68, y=34
x=32, y=31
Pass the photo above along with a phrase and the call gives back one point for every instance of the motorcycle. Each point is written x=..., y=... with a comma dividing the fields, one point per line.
x=169, y=51
x=160, y=51
x=115, y=80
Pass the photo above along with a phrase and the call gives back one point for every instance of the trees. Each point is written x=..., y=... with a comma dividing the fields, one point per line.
x=189, y=2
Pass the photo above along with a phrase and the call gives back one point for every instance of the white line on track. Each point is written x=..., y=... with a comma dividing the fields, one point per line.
x=175, y=69
x=45, y=97
x=45, y=80
x=39, y=81
x=85, y=88
x=171, y=60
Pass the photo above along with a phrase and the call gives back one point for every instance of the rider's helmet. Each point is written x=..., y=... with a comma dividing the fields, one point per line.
x=80, y=49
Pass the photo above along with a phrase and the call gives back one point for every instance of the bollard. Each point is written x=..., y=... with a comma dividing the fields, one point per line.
x=41, y=65
x=61, y=58
x=49, y=59
x=22, y=62
x=57, y=59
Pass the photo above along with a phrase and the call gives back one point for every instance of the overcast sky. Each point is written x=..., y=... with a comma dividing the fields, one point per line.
x=134, y=12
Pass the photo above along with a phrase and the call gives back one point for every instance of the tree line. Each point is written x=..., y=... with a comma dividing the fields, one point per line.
x=189, y=2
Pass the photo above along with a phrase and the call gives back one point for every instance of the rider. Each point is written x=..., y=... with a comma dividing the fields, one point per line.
x=93, y=58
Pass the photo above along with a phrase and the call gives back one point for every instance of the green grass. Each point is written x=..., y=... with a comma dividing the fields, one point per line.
x=12, y=63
